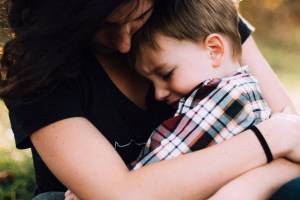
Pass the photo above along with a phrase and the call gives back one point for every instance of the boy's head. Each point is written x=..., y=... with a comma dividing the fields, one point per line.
x=184, y=42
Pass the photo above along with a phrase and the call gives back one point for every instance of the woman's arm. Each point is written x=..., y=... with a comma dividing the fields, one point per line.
x=272, y=88
x=259, y=183
x=277, y=97
x=86, y=163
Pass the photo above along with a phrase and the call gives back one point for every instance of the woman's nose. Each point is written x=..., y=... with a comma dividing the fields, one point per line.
x=124, y=39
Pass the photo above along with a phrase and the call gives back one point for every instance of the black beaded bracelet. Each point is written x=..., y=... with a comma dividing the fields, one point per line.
x=263, y=143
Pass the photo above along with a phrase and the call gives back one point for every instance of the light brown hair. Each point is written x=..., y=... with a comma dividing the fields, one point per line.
x=191, y=20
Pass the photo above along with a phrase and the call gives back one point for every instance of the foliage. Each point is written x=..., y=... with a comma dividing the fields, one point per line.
x=277, y=24
x=21, y=183
x=272, y=8
x=274, y=19
x=3, y=13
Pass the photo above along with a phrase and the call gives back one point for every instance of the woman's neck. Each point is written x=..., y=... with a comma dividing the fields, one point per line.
x=125, y=78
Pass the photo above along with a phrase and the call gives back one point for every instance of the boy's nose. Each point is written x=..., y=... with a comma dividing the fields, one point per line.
x=161, y=94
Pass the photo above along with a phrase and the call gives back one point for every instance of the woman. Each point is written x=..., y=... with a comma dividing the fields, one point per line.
x=85, y=113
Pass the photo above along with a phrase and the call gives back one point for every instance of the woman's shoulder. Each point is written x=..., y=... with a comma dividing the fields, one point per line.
x=61, y=99
x=42, y=107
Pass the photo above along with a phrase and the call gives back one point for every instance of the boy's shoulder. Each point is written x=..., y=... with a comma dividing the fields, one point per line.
x=216, y=90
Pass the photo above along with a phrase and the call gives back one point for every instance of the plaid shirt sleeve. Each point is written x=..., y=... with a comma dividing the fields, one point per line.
x=224, y=112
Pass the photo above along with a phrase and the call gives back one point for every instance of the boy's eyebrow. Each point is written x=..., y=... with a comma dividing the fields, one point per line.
x=155, y=70
x=158, y=68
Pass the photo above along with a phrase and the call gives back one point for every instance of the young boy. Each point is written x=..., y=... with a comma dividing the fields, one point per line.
x=191, y=52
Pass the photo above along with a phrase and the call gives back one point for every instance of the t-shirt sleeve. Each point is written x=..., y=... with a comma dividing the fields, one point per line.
x=61, y=102
x=245, y=29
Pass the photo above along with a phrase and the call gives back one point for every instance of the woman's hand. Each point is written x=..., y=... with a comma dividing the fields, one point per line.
x=247, y=187
x=290, y=124
x=270, y=181
x=283, y=129
x=69, y=195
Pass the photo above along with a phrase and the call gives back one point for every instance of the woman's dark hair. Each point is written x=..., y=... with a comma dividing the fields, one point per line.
x=50, y=41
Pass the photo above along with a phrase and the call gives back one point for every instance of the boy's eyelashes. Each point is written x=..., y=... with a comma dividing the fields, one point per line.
x=166, y=75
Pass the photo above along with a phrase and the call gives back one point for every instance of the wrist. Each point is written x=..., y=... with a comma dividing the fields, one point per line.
x=263, y=143
x=279, y=145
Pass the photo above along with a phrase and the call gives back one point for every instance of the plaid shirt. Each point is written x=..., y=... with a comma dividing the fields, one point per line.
x=216, y=110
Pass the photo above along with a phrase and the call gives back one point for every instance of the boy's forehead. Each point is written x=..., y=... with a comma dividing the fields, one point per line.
x=148, y=56
x=143, y=63
x=148, y=64
x=152, y=59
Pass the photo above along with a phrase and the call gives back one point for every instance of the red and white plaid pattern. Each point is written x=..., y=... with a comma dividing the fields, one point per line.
x=215, y=111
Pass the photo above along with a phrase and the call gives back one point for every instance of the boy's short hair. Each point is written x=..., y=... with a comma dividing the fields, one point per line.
x=191, y=20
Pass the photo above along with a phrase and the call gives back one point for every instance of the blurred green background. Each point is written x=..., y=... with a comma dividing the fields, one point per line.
x=277, y=24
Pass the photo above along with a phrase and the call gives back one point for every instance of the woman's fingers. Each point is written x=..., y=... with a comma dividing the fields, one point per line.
x=69, y=195
x=293, y=131
x=288, y=110
x=283, y=129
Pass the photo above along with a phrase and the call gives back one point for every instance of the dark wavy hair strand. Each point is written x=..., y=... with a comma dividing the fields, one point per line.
x=51, y=39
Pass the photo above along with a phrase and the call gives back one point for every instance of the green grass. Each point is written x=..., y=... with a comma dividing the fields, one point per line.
x=286, y=59
x=22, y=183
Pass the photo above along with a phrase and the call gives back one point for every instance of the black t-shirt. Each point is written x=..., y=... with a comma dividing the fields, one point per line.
x=94, y=96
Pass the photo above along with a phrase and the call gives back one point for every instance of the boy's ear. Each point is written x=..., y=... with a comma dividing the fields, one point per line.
x=215, y=45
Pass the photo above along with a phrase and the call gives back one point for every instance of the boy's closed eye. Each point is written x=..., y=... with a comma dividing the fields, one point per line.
x=167, y=75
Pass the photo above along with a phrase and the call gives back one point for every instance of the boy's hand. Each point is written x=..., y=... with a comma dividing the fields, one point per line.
x=69, y=195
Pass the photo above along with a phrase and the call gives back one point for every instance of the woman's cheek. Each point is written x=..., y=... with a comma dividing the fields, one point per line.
x=135, y=29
